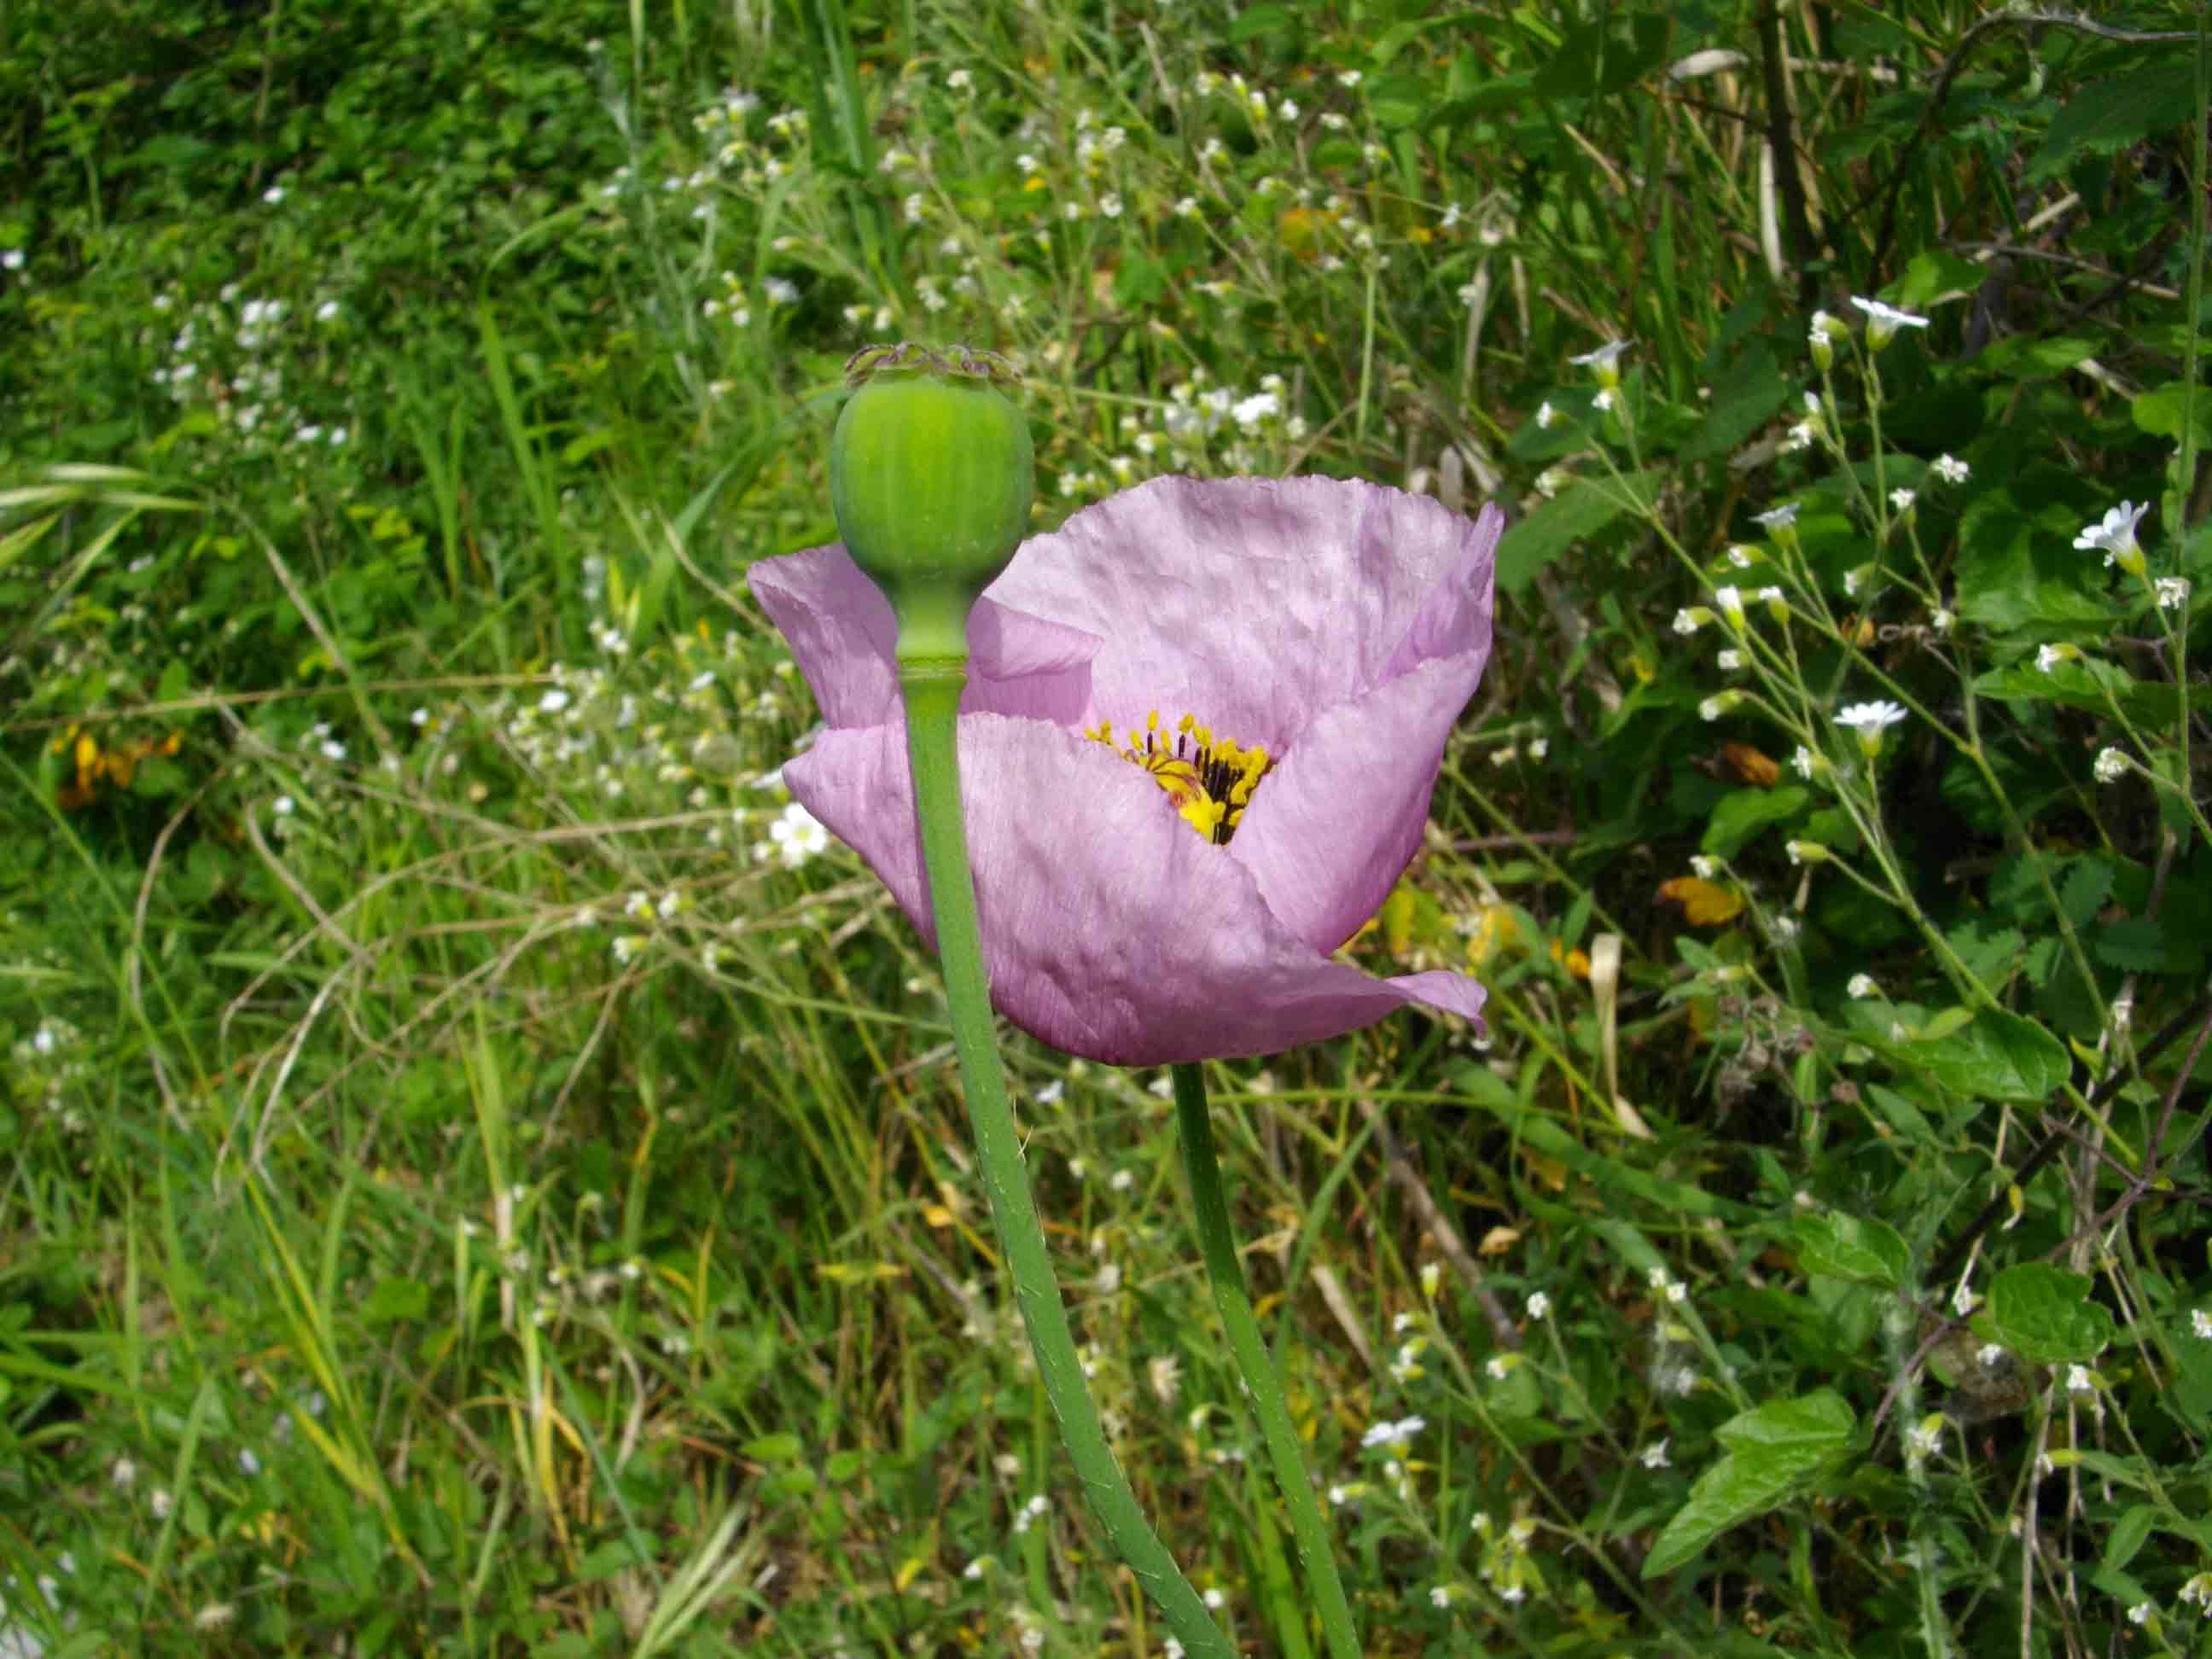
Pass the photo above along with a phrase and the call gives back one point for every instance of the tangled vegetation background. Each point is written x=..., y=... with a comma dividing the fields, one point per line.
x=482, y=1170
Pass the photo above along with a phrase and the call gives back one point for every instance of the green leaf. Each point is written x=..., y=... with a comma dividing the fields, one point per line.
x=1774, y=1452
x=2017, y=570
x=1742, y=813
x=2134, y=944
x=1990, y=953
x=1596, y=60
x=2044, y=1315
x=2090, y=683
x=1506, y=92
x=1139, y=282
x=1931, y=273
x=2026, y=357
x=1395, y=39
x=1397, y=101
x=2106, y=117
x=2159, y=412
x=1999, y=1056
x=2129, y=1536
x=1262, y=23
x=395, y=1299
x=1853, y=1247
x=1581, y=510
x=2086, y=886
x=1745, y=398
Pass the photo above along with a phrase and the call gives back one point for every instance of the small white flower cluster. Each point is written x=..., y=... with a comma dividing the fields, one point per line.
x=225, y=357
x=53, y=1066
x=1387, y=1434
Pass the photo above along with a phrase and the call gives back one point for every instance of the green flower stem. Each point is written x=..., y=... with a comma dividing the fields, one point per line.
x=1218, y=1246
x=932, y=691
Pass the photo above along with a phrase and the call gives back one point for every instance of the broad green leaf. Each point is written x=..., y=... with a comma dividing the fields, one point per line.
x=1774, y=1452
x=1931, y=273
x=2105, y=116
x=395, y=1299
x=2020, y=571
x=2089, y=683
x=1853, y=1247
x=1581, y=510
x=1599, y=60
x=2159, y=412
x=2044, y=1315
x=1745, y=398
x=2024, y=356
x=1262, y=23
x=1999, y=1056
x=1742, y=813
x=1397, y=101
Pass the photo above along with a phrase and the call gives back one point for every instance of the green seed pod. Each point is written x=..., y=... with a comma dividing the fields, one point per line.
x=931, y=475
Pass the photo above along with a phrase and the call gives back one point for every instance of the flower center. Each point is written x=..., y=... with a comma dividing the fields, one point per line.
x=1209, y=778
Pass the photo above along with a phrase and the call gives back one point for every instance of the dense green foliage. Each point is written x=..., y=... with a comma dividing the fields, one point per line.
x=479, y=1174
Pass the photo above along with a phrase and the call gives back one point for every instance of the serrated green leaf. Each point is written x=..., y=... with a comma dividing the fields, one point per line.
x=1990, y=954
x=2088, y=884
x=2134, y=944
x=1745, y=398
x=2106, y=117
x=1853, y=1247
x=1581, y=510
x=1774, y=1451
x=2044, y=1315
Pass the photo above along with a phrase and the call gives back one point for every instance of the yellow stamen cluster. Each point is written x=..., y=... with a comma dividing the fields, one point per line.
x=1210, y=779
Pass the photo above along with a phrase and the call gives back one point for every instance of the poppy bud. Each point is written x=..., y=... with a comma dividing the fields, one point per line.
x=931, y=475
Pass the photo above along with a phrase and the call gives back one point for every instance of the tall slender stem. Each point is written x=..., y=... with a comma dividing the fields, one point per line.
x=1218, y=1246
x=932, y=705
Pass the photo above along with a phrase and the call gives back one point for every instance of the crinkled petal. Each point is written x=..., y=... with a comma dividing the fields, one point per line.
x=1110, y=930
x=1334, y=826
x=1257, y=603
x=842, y=632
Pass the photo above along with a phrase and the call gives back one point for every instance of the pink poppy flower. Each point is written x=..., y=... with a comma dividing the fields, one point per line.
x=1322, y=636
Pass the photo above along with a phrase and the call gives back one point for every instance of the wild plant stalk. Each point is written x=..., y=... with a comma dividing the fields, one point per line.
x=932, y=691
x=931, y=475
x=1218, y=1244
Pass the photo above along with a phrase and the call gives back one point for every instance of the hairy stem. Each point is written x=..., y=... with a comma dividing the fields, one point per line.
x=933, y=702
